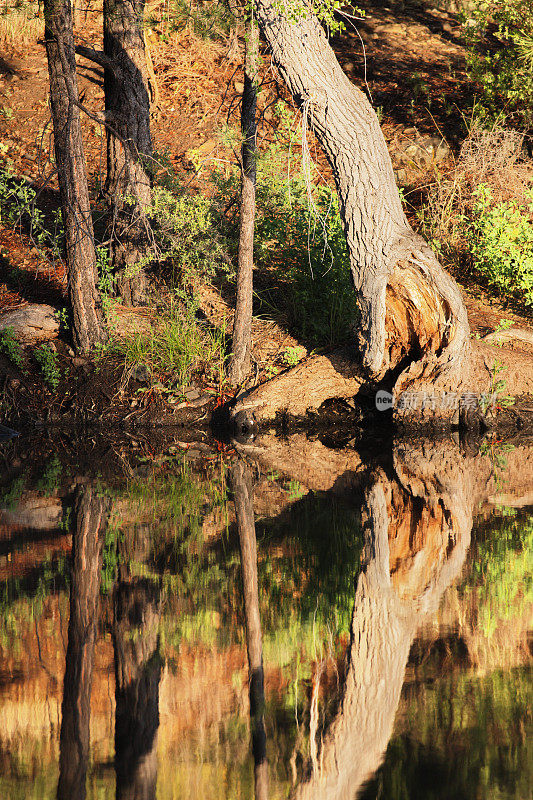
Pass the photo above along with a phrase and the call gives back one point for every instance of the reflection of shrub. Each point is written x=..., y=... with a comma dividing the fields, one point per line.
x=502, y=568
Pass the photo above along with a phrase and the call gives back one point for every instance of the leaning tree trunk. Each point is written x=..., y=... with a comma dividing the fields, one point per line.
x=411, y=310
x=70, y=160
x=241, y=484
x=129, y=143
x=91, y=513
x=242, y=325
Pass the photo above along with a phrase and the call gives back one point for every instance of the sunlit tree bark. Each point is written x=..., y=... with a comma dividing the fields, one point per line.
x=88, y=323
x=411, y=311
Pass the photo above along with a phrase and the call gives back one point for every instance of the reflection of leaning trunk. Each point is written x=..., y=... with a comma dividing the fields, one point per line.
x=87, y=545
x=416, y=536
x=242, y=488
x=137, y=674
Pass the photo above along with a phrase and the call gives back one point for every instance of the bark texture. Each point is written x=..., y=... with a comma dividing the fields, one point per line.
x=240, y=362
x=411, y=310
x=301, y=389
x=241, y=484
x=86, y=304
x=129, y=143
x=91, y=513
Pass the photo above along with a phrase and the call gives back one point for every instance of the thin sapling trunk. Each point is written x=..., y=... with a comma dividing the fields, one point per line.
x=242, y=326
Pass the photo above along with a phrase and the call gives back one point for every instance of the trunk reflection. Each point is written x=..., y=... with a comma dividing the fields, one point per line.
x=90, y=520
x=241, y=482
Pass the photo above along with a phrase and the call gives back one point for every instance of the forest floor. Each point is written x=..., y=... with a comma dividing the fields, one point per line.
x=411, y=57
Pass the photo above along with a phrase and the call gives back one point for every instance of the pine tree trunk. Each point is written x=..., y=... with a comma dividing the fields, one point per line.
x=242, y=325
x=86, y=304
x=241, y=484
x=129, y=153
x=411, y=310
x=87, y=547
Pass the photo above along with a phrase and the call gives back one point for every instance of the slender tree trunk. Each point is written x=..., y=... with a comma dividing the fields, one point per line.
x=242, y=326
x=70, y=160
x=241, y=484
x=411, y=310
x=129, y=153
x=87, y=547
x=137, y=605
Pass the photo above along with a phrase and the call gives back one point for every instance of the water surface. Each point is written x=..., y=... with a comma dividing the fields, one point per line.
x=279, y=620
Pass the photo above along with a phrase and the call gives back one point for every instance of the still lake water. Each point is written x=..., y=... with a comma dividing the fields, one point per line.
x=277, y=620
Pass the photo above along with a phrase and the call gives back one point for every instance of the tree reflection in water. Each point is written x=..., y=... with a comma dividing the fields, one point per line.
x=137, y=613
x=416, y=527
x=88, y=533
x=241, y=483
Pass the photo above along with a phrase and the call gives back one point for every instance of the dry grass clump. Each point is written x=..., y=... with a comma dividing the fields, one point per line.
x=18, y=28
x=493, y=158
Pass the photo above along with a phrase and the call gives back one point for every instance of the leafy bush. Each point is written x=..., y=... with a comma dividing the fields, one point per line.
x=18, y=207
x=501, y=242
x=47, y=360
x=11, y=347
x=186, y=234
x=499, y=35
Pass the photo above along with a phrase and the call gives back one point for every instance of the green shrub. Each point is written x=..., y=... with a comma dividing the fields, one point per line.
x=500, y=239
x=504, y=72
x=185, y=236
x=11, y=347
x=47, y=360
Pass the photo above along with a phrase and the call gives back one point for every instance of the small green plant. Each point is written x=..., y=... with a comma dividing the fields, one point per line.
x=503, y=325
x=18, y=207
x=496, y=398
x=293, y=355
x=63, y=317
x=11, y=347
x=500, y=239
x=47, y=360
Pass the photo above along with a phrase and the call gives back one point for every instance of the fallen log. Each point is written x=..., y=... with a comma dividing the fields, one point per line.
x=303, y=388
x=494, y=371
